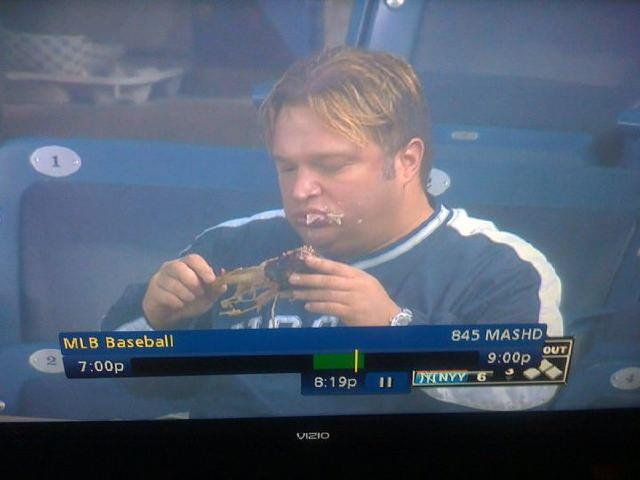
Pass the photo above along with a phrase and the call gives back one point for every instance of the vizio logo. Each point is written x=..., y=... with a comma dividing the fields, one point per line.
x=313, y=435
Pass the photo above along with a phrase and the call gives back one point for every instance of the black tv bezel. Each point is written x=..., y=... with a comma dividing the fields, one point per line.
x=525, y=443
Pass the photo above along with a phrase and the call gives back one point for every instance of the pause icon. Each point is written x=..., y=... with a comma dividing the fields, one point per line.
x=385, y=382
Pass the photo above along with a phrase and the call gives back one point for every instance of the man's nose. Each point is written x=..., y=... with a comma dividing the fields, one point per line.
x=306, y=185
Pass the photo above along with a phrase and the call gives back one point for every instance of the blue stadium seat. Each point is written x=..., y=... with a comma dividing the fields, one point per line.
x=121, y=187
x=629, y=124
x=73, y=243
x=605, y=371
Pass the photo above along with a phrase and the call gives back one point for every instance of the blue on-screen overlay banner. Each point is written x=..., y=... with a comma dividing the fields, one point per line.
x=304, y=341
x=331, y=361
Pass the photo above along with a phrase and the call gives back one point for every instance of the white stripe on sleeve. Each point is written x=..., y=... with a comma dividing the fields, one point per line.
x=550, y=291
x=517, y=397
x=238, y=222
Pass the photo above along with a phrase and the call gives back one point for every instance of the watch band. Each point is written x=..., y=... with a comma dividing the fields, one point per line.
x=402, y=318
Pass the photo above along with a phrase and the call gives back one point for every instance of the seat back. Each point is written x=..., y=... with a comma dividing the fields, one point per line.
x=71, y=244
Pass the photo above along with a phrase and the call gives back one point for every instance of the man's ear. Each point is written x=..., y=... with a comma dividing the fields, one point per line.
x=409, y=159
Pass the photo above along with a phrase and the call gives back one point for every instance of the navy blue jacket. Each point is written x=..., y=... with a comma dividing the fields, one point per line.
x=452, y=269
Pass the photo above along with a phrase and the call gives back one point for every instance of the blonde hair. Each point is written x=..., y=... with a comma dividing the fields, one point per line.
x=363, y=95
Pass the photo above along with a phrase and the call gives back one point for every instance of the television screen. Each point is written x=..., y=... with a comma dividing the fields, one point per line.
x=289, y=221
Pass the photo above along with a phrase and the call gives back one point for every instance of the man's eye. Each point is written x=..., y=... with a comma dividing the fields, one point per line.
x=285, y=168
x=332, y=167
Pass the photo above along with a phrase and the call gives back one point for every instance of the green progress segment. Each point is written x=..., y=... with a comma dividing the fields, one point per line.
x=338, y=361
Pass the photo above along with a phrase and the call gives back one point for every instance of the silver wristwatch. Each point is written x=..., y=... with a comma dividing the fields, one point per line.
x=402, y=318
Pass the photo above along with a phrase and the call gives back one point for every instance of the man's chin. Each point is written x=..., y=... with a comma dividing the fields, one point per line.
x=323, y=240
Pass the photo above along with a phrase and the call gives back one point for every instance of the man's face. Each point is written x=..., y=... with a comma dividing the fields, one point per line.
x=335, y=193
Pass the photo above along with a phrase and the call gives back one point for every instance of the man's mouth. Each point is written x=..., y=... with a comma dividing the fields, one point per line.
x=312, y=218
x=324, y=218
x=320, y=219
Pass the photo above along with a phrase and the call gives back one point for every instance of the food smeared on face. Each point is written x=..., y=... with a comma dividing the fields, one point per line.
x=329, y=217
x=313, y=218
x=335, y=218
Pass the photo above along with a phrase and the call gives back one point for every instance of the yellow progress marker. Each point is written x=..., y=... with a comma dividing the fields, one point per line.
x=356, y=361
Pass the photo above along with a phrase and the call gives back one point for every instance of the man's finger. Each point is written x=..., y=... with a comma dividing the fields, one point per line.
x=214, y=292
x=329, y=267
x=200, y=266
x=176, y=287
x=184, y=274
x=311, y=280
x=327, y=308
x=336, y=296
x=169, y=299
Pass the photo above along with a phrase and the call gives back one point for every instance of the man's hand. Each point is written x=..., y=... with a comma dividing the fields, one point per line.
x=343, y=291
x=181, y=289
